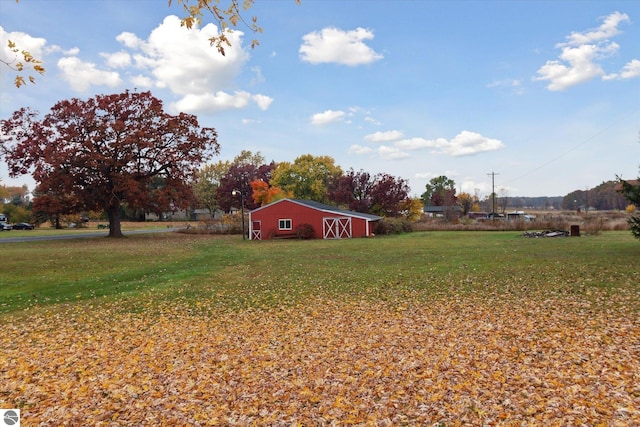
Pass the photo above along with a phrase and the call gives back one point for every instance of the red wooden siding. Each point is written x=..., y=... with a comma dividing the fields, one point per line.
x=299, y=214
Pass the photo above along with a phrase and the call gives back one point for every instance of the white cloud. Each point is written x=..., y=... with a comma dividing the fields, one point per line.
x=385, y=152
x=608, y=29
x=213, y=102
x=130, y=40
x=74, y=51
x=419, y=143
x=263, y=101
x=23, y=41
x=327, y=117
x=81, y=75
x=184, y=61
x=141, y=81
x=578, y=61
x=220, y=101
x=514, y=84
x=474, y=187
x=258, y=77
x=117, y=60
x=466, y=143
x=581, y=68
x=391, y=153
x=425, y=175
x=332, y=45
x=360, y=149
x=392, y=135
x=431, y=175
x=629, y=71
x=373, y=121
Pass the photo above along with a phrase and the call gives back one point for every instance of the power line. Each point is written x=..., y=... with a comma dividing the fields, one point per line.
x=575, y=147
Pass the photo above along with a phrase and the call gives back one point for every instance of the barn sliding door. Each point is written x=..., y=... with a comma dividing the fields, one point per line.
x=256, y=230
x=336, y=228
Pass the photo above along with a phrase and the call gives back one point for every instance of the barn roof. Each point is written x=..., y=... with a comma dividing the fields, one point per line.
x=325, y=208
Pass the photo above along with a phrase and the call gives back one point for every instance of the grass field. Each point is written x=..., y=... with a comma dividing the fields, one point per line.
x=424, y=328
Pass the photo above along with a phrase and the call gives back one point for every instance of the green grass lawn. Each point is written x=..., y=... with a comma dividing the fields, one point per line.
x=233, y=273
x=426, y=328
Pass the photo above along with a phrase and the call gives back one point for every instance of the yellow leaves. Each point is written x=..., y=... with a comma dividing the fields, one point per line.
x=462, y=361
x=226, y=18
x=19, y=65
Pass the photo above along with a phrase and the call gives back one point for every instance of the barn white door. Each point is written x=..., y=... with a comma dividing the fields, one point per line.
x=336, y=228
x=256, y=230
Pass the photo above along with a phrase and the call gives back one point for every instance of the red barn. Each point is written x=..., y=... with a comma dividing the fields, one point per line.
x=281, y=218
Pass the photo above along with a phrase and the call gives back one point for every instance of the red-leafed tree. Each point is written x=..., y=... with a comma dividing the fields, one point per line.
x=381, y=194
x=238, y=179
x=52, y=205
x=108, y=151
x=388, y=195
x=353, y=189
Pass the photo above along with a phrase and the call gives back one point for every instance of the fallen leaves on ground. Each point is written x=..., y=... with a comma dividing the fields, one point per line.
x=455, y=361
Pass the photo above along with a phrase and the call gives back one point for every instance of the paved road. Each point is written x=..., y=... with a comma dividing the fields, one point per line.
x=88, y=234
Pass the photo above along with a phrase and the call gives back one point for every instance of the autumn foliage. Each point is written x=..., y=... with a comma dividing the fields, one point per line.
x=22, y=61
x=108, y=151
x=458, y=361
x=422, y=329
x=264, y=194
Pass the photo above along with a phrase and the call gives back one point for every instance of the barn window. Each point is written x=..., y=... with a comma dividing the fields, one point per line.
x=284, y=224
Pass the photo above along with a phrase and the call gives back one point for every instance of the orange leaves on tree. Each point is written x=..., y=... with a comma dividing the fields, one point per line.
x=264, y=194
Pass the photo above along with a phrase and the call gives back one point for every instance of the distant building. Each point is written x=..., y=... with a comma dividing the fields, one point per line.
x=520, y=216
x=442, y=211
x=478, y=215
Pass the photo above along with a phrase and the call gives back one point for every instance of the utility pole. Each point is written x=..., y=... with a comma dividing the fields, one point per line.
x=493, y=193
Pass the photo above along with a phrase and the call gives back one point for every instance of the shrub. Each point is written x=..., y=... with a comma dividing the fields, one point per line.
x=305, y=231
x=393, y=226
x=593, y=225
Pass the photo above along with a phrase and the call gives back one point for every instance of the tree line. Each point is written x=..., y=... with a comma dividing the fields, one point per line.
x=123, y=150
x=603, y=197
x=118, y=151
x=308, y=177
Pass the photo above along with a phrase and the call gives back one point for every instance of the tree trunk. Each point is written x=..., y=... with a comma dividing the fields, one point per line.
x=115, y=229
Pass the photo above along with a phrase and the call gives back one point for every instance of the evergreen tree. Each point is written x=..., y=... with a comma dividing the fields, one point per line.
x=631, y=191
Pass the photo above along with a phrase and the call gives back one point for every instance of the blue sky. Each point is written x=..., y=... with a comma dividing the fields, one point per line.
x=544, y=93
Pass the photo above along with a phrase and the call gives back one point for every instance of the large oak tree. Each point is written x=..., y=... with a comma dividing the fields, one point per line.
x=108, y=151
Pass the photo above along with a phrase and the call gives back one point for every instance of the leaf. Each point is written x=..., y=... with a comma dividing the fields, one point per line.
x=467, y=360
